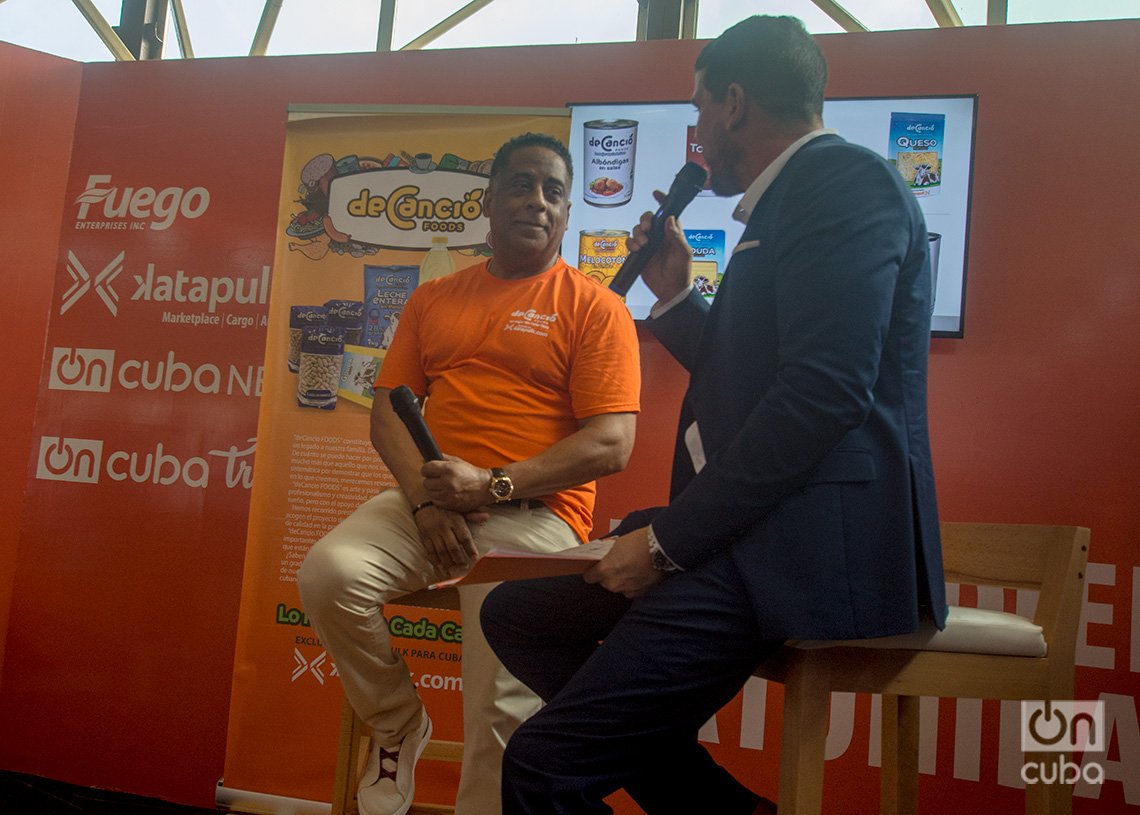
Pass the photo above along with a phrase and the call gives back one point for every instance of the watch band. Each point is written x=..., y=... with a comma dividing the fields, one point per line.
x=661, y=561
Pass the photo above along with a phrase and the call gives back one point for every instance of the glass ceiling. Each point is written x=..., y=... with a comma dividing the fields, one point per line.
x=221, y=28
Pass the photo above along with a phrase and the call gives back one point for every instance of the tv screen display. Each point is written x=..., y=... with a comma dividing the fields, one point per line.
x=623, y=152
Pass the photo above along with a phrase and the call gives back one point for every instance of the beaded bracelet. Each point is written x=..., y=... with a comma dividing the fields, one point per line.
x=418, y=507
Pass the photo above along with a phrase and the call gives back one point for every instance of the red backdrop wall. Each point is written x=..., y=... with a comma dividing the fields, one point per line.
x=1033, y=413
x=39, y=95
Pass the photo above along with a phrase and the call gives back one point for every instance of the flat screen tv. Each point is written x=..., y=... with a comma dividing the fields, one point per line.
x=623, y=152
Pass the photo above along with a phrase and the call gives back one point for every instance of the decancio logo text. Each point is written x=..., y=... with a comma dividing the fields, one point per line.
x=400, y=209
x=106, y=206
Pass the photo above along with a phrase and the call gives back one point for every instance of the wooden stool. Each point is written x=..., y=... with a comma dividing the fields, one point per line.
x=980, y=655
x=355, y=740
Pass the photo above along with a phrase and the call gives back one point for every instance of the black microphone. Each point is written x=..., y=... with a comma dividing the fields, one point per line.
x=684, y=189
x=407, y=407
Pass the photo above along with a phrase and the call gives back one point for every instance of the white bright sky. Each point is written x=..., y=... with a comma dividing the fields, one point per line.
x=222, y=28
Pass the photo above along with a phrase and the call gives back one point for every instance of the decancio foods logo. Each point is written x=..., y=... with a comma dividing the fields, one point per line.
x=357, y=205
x=402, y=209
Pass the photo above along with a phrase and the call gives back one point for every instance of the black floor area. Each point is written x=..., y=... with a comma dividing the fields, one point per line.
x=30, y=795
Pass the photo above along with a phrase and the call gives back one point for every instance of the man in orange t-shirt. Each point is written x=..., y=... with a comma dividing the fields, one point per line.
x=532, y=380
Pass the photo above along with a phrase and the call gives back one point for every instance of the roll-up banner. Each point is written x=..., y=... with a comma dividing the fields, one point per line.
x=373, y=200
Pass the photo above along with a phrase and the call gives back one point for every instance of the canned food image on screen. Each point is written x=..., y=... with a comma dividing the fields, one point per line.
x=610, y=151
x=601, y=252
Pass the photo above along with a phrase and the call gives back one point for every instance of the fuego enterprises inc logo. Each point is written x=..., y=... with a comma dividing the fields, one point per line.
x=101, y=206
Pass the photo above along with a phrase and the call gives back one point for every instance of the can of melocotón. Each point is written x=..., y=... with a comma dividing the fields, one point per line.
x=601, y=252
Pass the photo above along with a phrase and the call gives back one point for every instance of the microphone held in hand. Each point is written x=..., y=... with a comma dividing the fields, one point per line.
x=407, y=407
x=684, y=189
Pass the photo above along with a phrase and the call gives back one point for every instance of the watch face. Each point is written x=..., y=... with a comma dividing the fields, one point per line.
x=501, y=486
x=660, y=562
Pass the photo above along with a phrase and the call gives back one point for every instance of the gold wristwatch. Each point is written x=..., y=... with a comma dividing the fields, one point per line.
x=501, y=486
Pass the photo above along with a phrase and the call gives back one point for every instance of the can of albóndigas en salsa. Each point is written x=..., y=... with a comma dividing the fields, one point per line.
x=610, y=153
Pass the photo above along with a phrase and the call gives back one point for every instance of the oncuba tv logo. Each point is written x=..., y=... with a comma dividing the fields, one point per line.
x=398, y=208
x=85, y=461
x=118, y=205
x=78, y=460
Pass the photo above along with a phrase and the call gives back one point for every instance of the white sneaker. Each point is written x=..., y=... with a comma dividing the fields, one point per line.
x=389, y=779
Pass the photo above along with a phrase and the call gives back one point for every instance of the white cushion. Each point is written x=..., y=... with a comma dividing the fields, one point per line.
x=968, y=631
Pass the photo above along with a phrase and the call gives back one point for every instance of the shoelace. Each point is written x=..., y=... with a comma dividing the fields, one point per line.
x=395, y=758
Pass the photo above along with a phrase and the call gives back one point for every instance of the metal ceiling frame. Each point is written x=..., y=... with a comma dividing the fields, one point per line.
x=181, y=30
x=666, y=19
x=656, y=20
x=944, y=13
x=386, y=25
x=101, y=27
x=443, y=26
x=997, y=12
x=265, y=27
x=841, y=16
x=142, y=27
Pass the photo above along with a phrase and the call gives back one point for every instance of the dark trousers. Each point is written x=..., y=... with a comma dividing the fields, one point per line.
x=624, y=713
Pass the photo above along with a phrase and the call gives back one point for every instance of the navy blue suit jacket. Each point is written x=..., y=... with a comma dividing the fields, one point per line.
x=808, y=386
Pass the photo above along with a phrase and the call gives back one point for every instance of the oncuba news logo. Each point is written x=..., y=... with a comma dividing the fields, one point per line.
x=94, y=370
x=159, y=207
x=81, y=369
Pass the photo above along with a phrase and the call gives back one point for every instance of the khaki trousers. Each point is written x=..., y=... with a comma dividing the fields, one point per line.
x=373, y=557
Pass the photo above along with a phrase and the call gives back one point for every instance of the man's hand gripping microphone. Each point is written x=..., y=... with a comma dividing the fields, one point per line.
x=684, y=189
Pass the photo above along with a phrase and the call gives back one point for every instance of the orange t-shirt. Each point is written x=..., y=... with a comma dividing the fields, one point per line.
x=510, y=366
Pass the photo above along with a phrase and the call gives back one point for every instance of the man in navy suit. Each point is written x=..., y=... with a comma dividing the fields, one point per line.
x=802, y=502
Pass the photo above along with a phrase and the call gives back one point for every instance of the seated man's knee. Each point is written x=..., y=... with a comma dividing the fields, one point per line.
x=524, y=751
x=541, y=756
x=322, y=577
x=518, y=610
x=495, y=615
